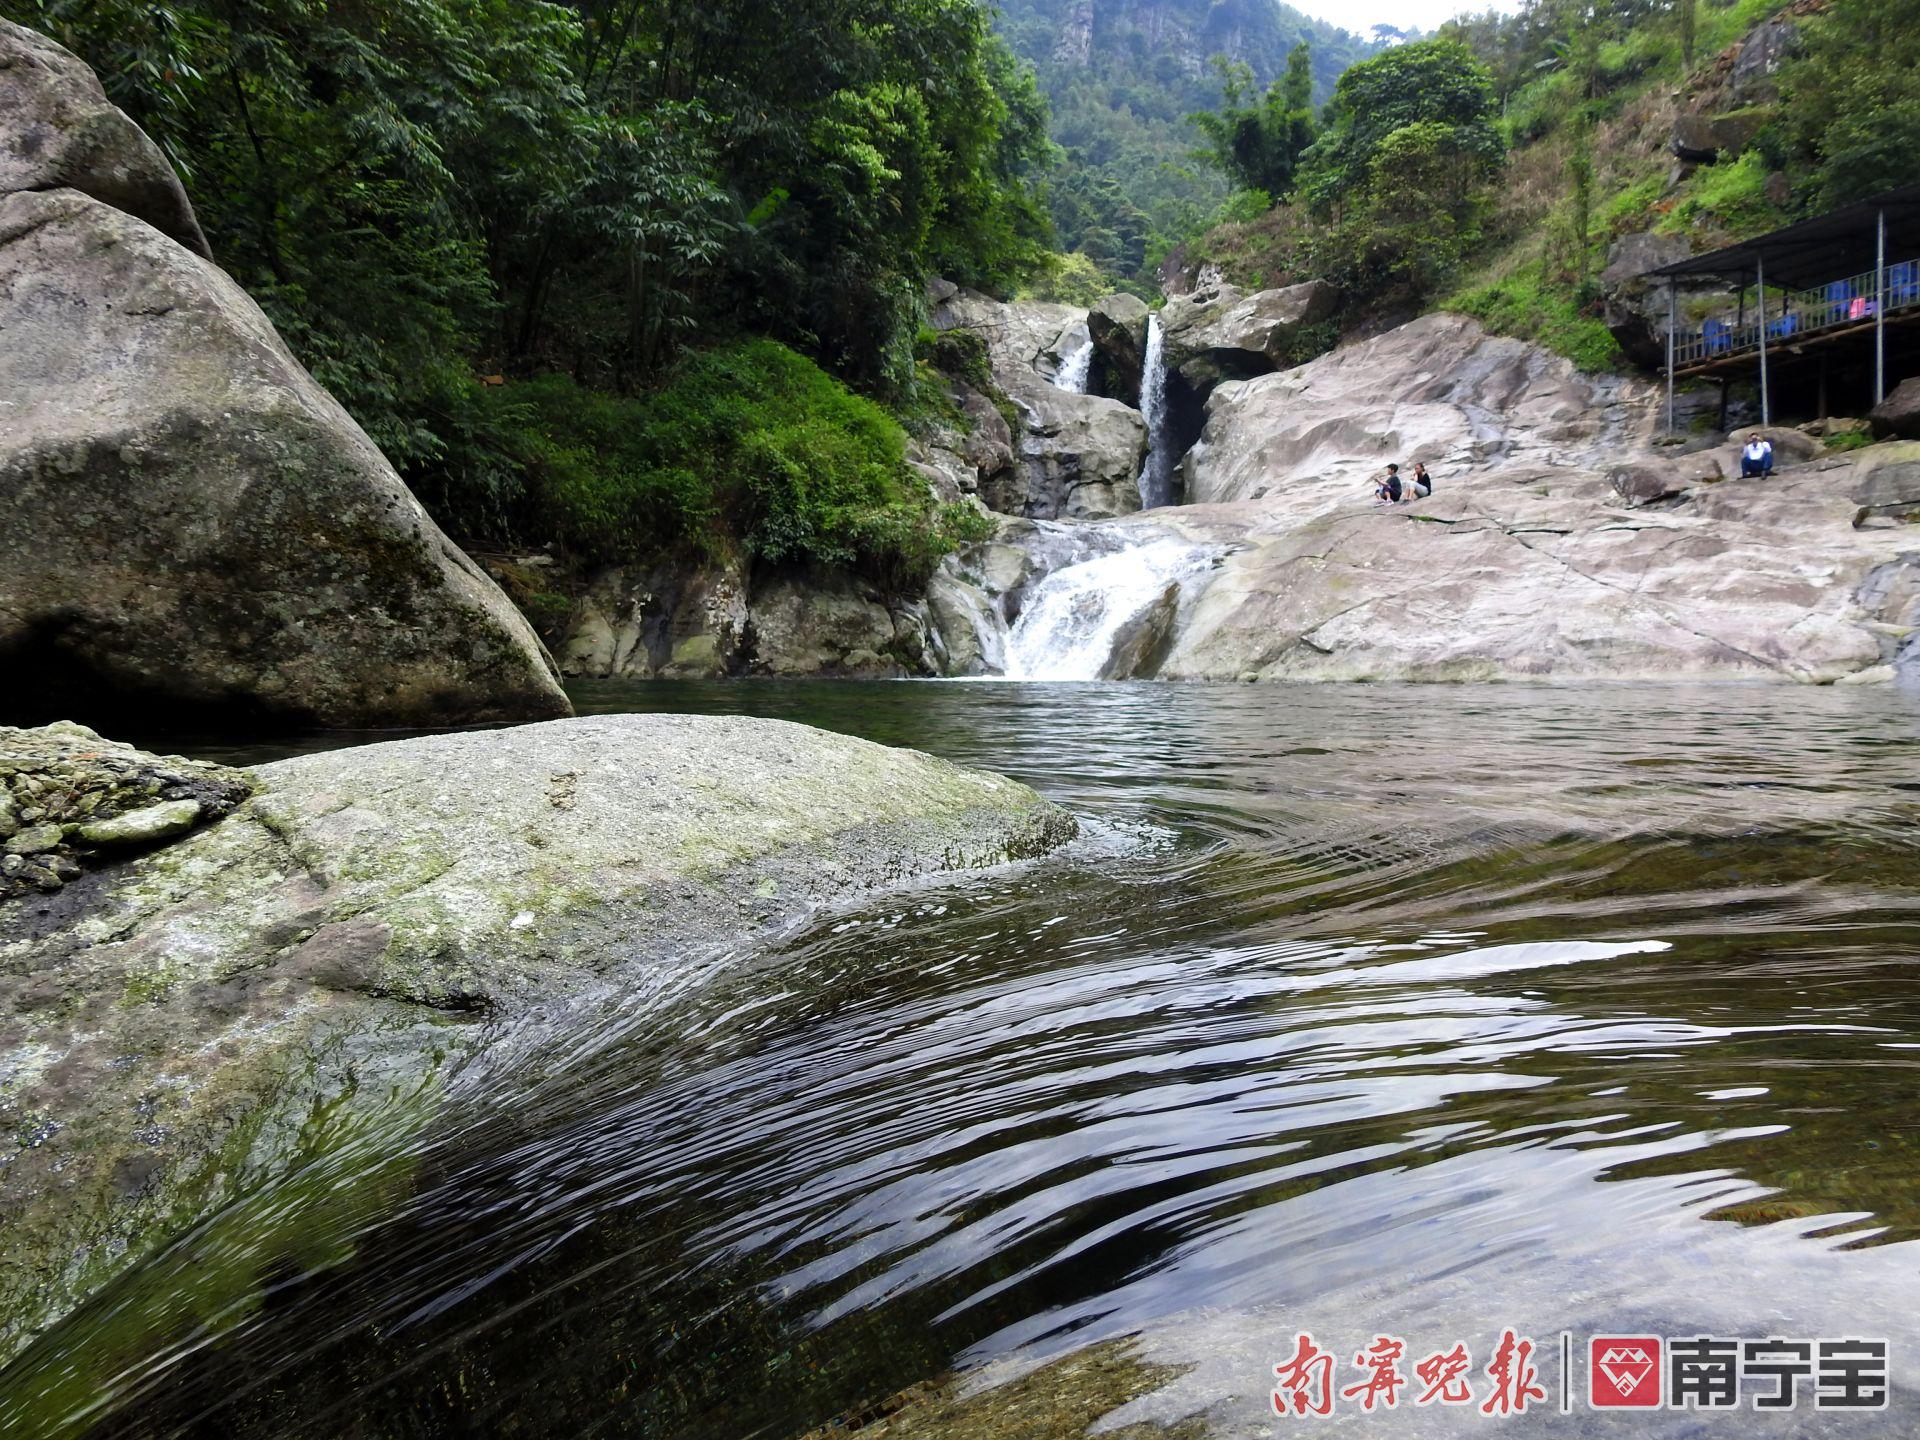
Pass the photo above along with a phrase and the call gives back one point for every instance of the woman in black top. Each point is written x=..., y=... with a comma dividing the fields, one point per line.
x=1422, y=482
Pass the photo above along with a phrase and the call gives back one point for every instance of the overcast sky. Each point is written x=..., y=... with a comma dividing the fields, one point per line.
x=1360, y=16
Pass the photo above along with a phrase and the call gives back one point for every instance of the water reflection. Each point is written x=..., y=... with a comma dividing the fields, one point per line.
x=1425, y=1010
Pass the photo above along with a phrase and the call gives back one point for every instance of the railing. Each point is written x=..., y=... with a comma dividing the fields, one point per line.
x=1792, y=315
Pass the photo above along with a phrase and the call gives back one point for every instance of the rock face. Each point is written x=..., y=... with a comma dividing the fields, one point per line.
x=1899, y=414
x=671, y=620
x=1118, y=325
x=1704, y=139
x=1439, y=389
x=59, y=131
x=1635, y=306
x=1761, y=54
x=676, y=621
x=70, y=801
x=188, y=523
x=1078, y=456
x=1226, y=334
x=1561, y=540
x=251, y=1005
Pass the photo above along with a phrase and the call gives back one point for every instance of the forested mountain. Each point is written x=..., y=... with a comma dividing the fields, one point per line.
x=1122, y=76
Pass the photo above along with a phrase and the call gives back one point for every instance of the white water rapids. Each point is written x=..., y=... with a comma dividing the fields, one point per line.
x=1156, y=475
x=1075, y=619
x=1074, y=369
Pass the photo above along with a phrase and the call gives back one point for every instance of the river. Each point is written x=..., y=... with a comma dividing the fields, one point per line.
x=1419, y=1011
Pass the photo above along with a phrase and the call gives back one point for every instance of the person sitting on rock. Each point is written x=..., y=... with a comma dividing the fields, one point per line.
x=1757, y=458
x=1388, y=491
x=1422, y=481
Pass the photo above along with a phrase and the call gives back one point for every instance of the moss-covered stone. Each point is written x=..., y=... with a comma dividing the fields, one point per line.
x=197, y=1022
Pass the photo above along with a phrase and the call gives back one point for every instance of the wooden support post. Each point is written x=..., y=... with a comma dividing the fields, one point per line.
x=1760, y=296
x=1723, y=404
x=1823, y=392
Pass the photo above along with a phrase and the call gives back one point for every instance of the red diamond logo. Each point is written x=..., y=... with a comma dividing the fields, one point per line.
x=1623, y=1372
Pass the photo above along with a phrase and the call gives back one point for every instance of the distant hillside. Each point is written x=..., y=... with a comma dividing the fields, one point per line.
x=1122, y=76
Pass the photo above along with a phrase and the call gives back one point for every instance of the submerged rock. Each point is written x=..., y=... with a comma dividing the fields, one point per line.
x=266, y=993
x=188, y=522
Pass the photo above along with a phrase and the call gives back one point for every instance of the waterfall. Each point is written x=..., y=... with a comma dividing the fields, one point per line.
x=1156, y=476
x=1077, y=617
x=1074, y=369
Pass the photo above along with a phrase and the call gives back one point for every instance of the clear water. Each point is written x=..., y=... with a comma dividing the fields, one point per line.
x=1426, y=1010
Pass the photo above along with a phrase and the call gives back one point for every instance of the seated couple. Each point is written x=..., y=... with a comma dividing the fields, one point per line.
x=1390, y=489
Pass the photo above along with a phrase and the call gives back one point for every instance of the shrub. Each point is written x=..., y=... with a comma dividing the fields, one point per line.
x=748, y=446
x=1524, y=306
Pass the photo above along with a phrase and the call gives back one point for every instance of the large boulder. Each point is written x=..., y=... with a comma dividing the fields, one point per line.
x=1704, y=139
x=279, y=1002
x=1118, y=327
x=189, y=525
x=1440, y=390
x=59, y=131
x=1226, y=334
x=1080, y=456
x=1898, y=415
x=1635, y=306
x=1761, y=54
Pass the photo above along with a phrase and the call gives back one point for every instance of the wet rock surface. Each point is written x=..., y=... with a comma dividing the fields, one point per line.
x=70, y=801
x=1076, y=456
x=1562, y=540
x=254, y=997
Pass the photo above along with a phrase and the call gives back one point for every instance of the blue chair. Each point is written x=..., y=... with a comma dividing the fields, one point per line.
x=1781, y=328
x=1903, y=283
x=1838, y=295
x=1718, y=336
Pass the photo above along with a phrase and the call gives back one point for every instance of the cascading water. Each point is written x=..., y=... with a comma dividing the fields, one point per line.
x=1156, y=476
x=1077, y=617
x=1075, y=368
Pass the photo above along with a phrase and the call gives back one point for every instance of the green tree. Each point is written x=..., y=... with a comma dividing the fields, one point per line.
x=1849, y=121
x=1428, y=82
x=1257, y=144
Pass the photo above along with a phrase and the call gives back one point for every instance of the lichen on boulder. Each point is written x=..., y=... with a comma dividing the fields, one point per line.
x=221, y=1011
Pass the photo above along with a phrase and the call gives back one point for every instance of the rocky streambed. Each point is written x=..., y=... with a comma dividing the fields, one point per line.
x=285, y=983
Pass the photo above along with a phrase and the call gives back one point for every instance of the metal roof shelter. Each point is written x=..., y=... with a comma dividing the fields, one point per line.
x=1843, y=273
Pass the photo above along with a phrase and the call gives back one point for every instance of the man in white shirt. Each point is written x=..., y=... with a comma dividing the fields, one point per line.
x=1757, y=458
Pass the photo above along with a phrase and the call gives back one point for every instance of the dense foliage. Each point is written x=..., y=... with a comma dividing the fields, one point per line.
x=1122, y=78
x=1849, y=122
x=749, y=445
x=421, y=192
x=1256, y=140
x=1571, y=104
